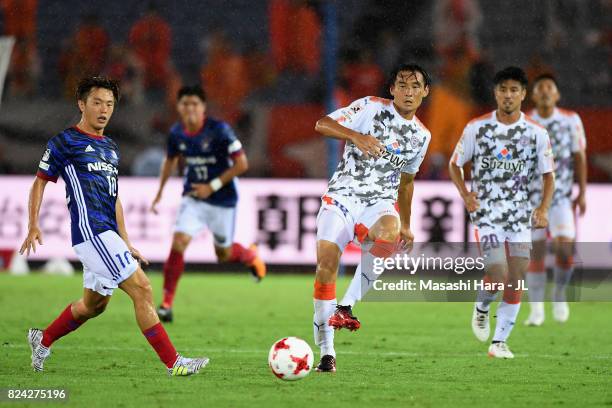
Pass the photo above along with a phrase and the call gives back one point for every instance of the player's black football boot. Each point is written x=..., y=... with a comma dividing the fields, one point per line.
x=343, y=318
x=165, y=314
x=327, y=364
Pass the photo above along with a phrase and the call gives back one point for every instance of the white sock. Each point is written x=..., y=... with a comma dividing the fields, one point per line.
x=536, y=282
x=362, y=282
x=323, y=333
x=562, y=277
x=506, y=316
x=484, y=300
x=353, y=292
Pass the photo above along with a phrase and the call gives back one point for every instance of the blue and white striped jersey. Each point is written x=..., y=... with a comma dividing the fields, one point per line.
x=89, y=166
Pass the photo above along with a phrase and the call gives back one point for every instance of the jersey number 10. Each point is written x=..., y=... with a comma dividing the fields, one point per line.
x=112, y=186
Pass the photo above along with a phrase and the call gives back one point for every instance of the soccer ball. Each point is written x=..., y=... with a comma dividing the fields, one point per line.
x=290, y=359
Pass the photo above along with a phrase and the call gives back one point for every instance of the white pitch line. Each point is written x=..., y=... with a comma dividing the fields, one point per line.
x=347, y=352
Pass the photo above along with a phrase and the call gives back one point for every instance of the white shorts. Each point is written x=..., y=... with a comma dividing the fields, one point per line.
x=195, y=215
x=107, y=262
x=560, y=223
x=495, y=244
x=342, y=220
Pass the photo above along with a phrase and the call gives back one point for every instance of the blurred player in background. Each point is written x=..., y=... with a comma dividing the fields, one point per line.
x=507, y=150
x=386, y=144
x=569, y=150
x=88, y=162
x=214, y=158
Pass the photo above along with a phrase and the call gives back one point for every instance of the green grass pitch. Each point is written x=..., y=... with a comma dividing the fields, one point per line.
x=406, y=354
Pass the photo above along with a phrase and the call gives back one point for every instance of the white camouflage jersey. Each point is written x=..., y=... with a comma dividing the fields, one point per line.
x=372, y=180
x=567, y=137
x=505, y=159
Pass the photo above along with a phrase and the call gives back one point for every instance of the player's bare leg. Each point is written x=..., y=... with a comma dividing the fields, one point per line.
x=328, y=259
x=536, y=282
x=381, y=242
x=246, y=256
x=173, y=269
x=562, y=273
x=509, y=307
x=138, y=288
x=89, y=306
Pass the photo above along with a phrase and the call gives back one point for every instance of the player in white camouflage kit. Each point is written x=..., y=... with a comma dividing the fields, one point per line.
x=385, y=145
x=568, y=146
x=507, y=150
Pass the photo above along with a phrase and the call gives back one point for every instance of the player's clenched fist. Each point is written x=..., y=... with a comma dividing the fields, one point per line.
x=471, y=201
x=539, y=218
x=368, y=144
x=34, y=235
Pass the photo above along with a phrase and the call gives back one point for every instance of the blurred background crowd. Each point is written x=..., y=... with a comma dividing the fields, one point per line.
x=263, y=66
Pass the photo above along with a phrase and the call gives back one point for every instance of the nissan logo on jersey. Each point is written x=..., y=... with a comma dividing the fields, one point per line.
x=101, y=166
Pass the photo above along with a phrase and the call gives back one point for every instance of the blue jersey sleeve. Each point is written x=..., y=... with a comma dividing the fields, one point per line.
x=230, y=141
x=52, y=161
x=172, y=149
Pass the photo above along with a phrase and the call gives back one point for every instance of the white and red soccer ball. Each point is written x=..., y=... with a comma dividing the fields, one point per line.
x=290, y=358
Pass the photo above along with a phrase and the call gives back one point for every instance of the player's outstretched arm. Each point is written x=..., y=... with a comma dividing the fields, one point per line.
x=167, y=168
x=123, y=232
x=404, y=202
x=540, y=214
x=240, y=166
x=368, y=144
x=35, y=200
x=581, y=176
x=470, y=198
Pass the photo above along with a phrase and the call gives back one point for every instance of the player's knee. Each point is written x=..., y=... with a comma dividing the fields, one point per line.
x=142, y=290
x=99, y=307
x=386, y=228
x=564, y=251
x=91, y=310
x=180, y=243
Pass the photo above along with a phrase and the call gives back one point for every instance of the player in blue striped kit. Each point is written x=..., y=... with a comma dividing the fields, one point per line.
x=88, y=160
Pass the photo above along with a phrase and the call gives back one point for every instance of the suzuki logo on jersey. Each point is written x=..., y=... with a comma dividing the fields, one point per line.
x=394, y=147
x=504, y=154
x=395, y=160
x=502, y=162
x=101, y=166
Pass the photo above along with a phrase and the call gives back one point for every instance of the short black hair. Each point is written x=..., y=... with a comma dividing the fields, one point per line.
x=86, y=84
x=191, y=90
x=511, y=73
x=543, y=77
x=410, y=67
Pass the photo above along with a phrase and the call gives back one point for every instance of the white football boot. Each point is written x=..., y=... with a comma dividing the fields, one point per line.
x=39, y=352
x=184, y=366
x=561, y=311
x=480, y=325
x=500, y=350
x=536, y=316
